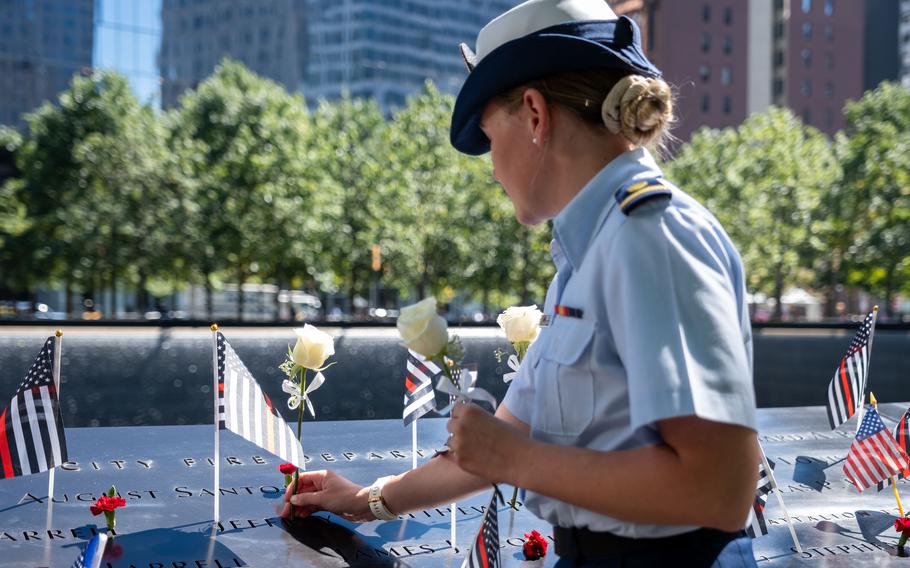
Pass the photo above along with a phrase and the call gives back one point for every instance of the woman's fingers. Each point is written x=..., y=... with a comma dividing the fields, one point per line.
x=307, y=481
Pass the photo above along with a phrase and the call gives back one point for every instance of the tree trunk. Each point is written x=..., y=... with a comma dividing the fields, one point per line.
x=241, y=278
x=778, y=293
x=141, y=295
x=889, y=292
x=210, y=312
x=68, y=301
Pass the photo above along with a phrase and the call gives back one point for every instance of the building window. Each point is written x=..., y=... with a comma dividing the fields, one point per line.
x=807, y=6
x=829, y=7
x=829, y=61
x=807, y=116
x=779, y=57
x=829, y=118
x=725, y=76
x=829, y=32
x=807, y=30
x=728, y=15
x=705, y=72
x=728, y=104
x=778, y=87
x=706, y=13
x=829, y=90
x=705, y=103
x=728, y=45
x=806, y=88
x=706, y=42
x=806, y=55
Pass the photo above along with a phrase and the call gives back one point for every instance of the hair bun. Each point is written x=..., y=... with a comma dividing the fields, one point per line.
x=638, y=107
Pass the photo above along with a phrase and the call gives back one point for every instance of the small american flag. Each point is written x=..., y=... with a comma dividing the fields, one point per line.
x=485, y=550
x=757, y=525
x=845, y=392
x=420, y=397
x=901, y=436
x=874, y=455
x=92, y=553
x=32, y=438
x=245, y=410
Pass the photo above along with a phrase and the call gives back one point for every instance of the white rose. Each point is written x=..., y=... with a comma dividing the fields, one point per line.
x=313, y=347
x=422, y=329
x=521, y=323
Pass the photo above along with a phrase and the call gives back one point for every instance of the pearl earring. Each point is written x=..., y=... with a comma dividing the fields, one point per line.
x=534, y=140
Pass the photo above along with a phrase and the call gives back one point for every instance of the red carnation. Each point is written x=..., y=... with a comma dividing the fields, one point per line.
x=535, y=547
x=902, y=525
x=107, y=504
x=287, y=468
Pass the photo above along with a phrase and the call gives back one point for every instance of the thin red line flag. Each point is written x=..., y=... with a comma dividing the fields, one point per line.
x=419, y=398
x=244, y=409
x=31, y=428
x=845, y=392
x=485, y=550
x=757, y=525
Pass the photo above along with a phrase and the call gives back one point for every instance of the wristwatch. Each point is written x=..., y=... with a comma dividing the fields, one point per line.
x=378, y=505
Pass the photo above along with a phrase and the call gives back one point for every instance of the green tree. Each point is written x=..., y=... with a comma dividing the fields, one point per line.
x=347, y=162
x=508, y=263
x=79, y=160
x=424, y=200
x=765, y=181
x=877, y=179
x=252, y=207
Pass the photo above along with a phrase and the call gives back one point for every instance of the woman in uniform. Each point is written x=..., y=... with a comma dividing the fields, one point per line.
x=631, y=423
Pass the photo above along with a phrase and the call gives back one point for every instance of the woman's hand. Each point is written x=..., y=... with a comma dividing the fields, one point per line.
x=325, y=490
x=484, y=445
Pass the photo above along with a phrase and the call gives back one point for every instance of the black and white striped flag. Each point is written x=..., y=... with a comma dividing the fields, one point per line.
x=420, y=397
x=245, y=410
x=848, y=385
x=485, y=550
x=31, y=427
x=757, y=525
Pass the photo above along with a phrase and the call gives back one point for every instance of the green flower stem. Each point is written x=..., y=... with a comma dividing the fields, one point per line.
x=302, y=386
x=521, y=349
x=902, y=540
x=110, y=517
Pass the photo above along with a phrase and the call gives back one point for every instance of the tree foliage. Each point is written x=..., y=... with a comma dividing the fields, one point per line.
x=765, y=182
x=877, y=190
x=241, y=183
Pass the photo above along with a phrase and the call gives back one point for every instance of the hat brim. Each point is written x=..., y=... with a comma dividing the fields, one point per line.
x=533, y=56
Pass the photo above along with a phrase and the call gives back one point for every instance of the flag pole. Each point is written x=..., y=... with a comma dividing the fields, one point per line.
x=58, y=341
x=780, y=499
x=874, y=404
x=217, y=511
x=859, y=415
x=414, y=444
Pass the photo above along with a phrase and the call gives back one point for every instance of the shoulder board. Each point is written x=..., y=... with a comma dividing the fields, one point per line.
x=635, y=193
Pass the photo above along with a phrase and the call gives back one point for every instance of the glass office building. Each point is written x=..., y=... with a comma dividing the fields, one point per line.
x=42, y=44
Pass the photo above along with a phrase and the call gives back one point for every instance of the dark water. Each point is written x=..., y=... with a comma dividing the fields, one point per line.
x=164, y=376
x=153, y=376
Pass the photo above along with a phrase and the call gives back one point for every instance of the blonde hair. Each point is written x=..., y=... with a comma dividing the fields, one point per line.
x=636, y=107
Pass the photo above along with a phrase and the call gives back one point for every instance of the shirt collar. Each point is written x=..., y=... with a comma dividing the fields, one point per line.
x=575, y=225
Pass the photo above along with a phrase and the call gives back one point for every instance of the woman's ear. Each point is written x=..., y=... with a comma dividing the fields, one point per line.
x=536, y=112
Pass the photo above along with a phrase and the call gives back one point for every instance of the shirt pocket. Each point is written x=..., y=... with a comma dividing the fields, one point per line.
x=565, y=399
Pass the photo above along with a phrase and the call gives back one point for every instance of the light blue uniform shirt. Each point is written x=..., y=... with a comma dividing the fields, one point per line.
x=664, y=331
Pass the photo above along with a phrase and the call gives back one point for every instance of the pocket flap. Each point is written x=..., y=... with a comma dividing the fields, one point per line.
x=568, y=340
